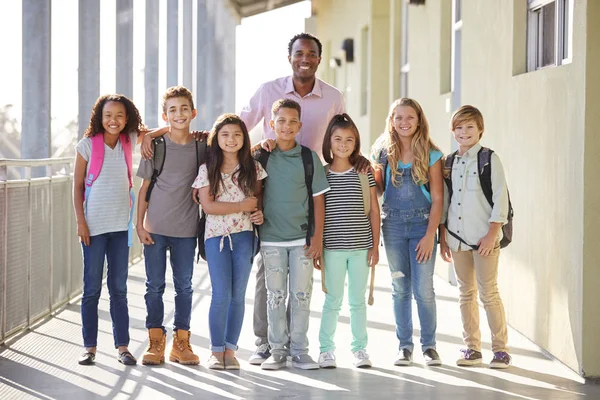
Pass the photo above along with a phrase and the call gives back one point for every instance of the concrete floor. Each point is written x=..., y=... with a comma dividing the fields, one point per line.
x=42, y=362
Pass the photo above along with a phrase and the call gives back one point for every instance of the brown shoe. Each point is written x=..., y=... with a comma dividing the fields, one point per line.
x=157, y=341
x=216, y=362
x=182, y=350
x=231, y=362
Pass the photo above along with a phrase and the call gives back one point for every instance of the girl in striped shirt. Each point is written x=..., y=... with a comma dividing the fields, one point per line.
x=350, y=239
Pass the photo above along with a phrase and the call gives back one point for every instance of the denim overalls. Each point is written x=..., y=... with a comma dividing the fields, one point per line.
x=405, y=215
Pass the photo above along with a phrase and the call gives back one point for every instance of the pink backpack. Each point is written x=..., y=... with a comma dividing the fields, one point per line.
x=95, y=167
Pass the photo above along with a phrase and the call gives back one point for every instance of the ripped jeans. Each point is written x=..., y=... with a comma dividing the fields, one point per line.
x=279, y=263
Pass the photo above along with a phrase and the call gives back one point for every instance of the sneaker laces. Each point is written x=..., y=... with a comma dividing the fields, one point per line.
x=263, y=348
x=328, y=356
x=501, y=355
x=467, y=353
x=362, y=354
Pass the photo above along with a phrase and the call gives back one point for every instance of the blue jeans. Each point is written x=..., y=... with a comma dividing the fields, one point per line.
x=182, y=251
x=229, y=273
x=279, y=263
x=400, y=237
x=113, y=247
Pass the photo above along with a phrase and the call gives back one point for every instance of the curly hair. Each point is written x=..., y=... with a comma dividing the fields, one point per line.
x=421, y=144
x=134, y=121
x=246, y=173
x=341, y=121
x=306, y=36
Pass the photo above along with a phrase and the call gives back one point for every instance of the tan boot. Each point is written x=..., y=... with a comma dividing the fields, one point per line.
x=182, y=350
x=157, y=341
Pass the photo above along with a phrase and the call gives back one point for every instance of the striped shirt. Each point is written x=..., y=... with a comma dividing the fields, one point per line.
x=346, y=225
x=107, y=208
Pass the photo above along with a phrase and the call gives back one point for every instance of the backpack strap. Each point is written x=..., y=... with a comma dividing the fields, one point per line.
x=159, y=150
x=366, y=192
x=309, y=171
x=262, y=156
x=200, y=154
x=484, y=167
x=95, y=164
x=126, y=145
x=383, y=160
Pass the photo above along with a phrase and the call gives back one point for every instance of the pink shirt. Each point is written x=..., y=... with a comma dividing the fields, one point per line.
x=318, y=107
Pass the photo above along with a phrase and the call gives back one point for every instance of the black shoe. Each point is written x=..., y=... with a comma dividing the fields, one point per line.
x=87, y=358
x=127, y=358
x=431, y=357
x=404, y=357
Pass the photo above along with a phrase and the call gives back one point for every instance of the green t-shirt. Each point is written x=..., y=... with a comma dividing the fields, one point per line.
x=285, y=198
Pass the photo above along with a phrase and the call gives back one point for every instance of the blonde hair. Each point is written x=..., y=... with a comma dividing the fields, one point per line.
x=421, y=144
x=467, y=113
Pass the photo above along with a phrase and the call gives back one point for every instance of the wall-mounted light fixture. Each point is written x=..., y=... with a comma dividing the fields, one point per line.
x=348, y=47
x=335, y=62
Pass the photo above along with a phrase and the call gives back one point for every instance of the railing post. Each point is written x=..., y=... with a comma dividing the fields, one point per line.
x=5, y=271
x=51, y=207
x=29, y=255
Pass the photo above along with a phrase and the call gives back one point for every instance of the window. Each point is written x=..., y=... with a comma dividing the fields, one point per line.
x=550, y=32
x=364, y=70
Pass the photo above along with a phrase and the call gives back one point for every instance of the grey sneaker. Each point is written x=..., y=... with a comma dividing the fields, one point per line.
x=304, y=361
x=432, y=357
x=327, y=360
x=276, y=361
x=261, y=353
x=361, y=359
x=404, y=357
x=469, y=358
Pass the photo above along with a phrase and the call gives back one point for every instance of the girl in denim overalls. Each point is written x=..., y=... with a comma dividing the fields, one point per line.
x=409, y=173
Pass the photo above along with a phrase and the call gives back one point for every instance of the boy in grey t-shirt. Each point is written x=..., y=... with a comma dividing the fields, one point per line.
x=171, y=219
x=284, y=235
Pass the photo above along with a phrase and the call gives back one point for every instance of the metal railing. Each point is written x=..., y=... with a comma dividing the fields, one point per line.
x=41, y=266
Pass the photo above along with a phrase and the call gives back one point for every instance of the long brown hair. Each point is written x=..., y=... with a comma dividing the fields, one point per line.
x=246, y=173
x=421, y=144
x=134, y=121
x=341, y=121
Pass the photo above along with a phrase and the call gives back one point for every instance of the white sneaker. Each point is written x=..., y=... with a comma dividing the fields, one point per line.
x=327, y=360
x=304, y=361
x=361, y=359
x=276, y=361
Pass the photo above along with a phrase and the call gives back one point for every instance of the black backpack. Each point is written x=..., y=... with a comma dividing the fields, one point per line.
x=262, y=156
x=484, y=167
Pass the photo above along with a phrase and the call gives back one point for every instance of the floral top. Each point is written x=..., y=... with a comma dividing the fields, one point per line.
x=224, y=225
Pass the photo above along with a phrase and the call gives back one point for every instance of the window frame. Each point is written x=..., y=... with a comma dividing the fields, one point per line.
x=563, y=33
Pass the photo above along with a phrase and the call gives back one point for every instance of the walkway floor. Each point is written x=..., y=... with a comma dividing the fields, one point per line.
x=41, y=363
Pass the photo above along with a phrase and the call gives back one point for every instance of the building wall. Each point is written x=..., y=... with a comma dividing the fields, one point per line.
x=542, y=126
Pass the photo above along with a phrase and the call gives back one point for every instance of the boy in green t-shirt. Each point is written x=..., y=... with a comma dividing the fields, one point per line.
x=288, y=248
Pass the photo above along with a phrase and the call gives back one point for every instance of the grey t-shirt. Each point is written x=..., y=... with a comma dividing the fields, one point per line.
x=171, y=210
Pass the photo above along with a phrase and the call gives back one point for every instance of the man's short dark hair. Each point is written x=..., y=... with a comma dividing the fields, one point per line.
x=306, y=36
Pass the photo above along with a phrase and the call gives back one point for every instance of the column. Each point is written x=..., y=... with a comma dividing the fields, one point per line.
x=172, y=42
x=124, y=46
x=201, y=67
x=187, y=56
x=89, y=60
x=35, y=134
x=151, y=64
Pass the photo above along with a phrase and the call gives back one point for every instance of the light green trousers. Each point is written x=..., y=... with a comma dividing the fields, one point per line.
x=337, y=263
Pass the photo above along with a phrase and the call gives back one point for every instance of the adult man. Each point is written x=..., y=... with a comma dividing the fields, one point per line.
x=320, y=102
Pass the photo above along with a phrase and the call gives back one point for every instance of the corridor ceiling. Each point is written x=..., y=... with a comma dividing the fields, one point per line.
x=247, y=8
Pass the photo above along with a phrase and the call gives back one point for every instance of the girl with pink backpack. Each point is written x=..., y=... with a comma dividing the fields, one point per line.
x=103, y=200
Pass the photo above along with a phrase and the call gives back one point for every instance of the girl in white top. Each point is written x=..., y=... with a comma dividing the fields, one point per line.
x=102, y=221
x=230, y=191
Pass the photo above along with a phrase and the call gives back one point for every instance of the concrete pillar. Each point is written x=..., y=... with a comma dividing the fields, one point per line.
x=172, y=42
x=201, y=67
x=210, y=75
x=89, y=60
x=395, y=49
x=35, y=134
x=379, y=67
x=590, y=352
x=124, y=64
x=187, y=56
x=151, y=64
